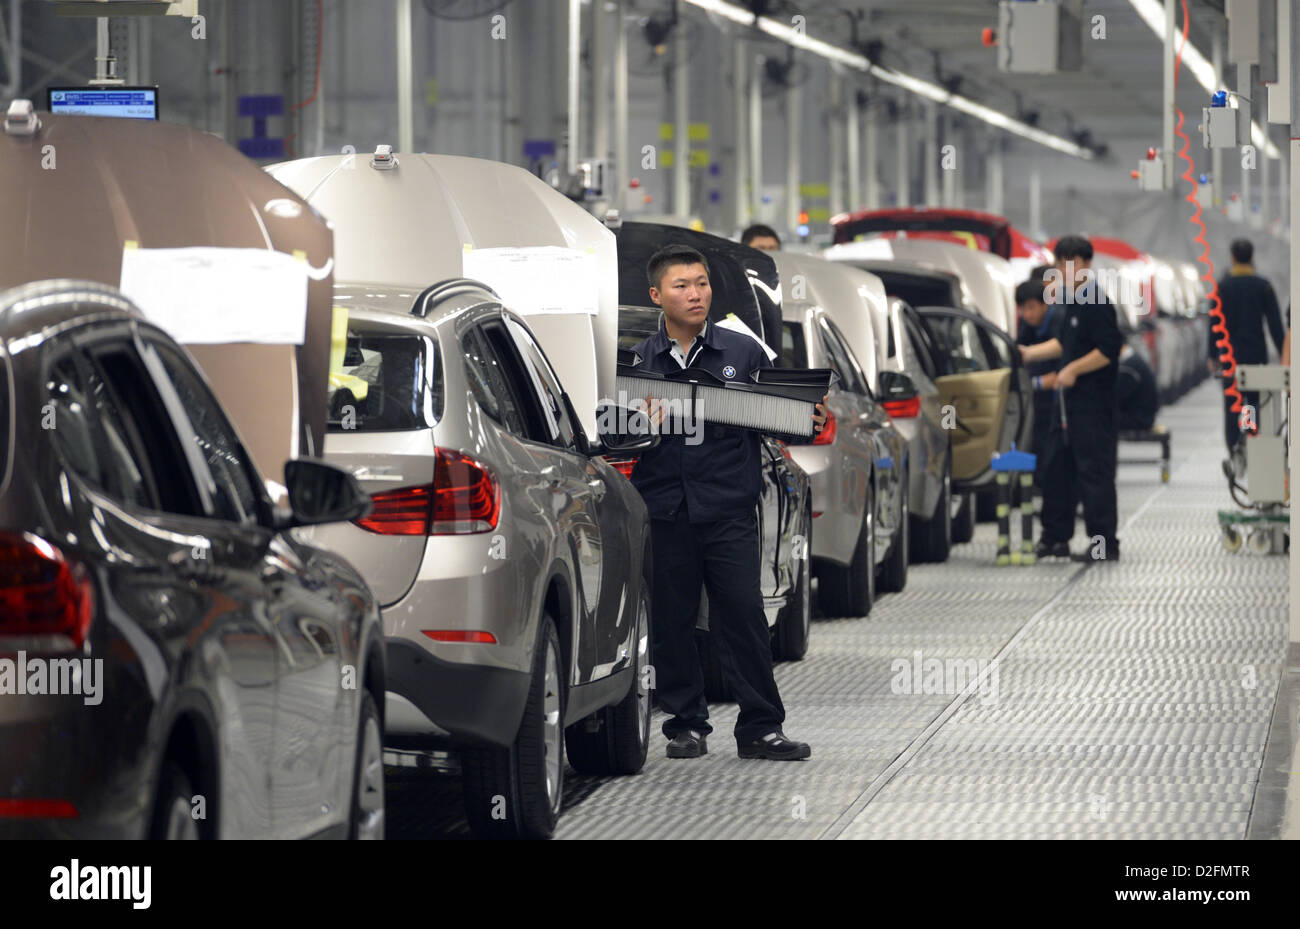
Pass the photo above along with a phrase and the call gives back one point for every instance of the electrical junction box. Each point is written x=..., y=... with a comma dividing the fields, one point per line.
x=1151, y=173
x=1040, y=36
x=1219, y=127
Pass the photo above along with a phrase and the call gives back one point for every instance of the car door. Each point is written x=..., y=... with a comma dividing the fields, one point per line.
x=562, y=477
x=188, y=580
x=615, y=591
x=313, y=738
x=987, y=386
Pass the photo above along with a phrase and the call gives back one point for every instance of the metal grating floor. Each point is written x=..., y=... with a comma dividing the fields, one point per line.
x=1131, y=700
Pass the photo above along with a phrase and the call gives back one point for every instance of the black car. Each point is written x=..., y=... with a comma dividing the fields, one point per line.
x=174, y=662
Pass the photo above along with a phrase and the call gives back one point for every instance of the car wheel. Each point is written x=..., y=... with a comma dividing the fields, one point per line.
x=963, y=520
x=851, y=590
x=515, y=792
x=368, y=775
x=172, y=816
x=794, y=622
x=893, y=574
x=614, y=740
x=933, y=536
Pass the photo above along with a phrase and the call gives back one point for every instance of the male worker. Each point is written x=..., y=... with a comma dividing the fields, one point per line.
x=1248, y=303
x=1039, y=322
x=703, y=499
x=1088, y=343
x=761, y=237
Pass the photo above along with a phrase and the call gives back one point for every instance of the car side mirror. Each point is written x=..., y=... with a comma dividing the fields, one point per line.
x=321, y=493
x=624, y=430
x=895, y=385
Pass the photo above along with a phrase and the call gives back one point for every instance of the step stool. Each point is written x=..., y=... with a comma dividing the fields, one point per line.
x=1018, y=466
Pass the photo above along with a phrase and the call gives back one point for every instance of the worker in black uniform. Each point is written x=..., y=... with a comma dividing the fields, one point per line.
x=1088, y=343
x=1248, y=303
x=1039, y=322
x=703, y=501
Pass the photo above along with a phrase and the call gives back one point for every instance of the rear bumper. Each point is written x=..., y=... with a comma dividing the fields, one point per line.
x=476, y=704
x=835, y=531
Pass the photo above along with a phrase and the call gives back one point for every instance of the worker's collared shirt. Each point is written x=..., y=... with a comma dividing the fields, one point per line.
x=698, y=341
x=717, y=474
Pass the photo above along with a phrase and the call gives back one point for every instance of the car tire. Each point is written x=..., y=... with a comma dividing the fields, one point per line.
x=515, y=792
x=172, y=816
x=893, y=573
x=933, y=536
x=367, y=809
x=963, y=521
x=851, y=590
x=615, y=740
x=794, y=622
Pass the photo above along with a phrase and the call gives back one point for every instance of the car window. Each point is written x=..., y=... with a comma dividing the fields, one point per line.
x=915, y=351
x=545, y=383
x=959, y=339
x=534, y=411
x=94, y=435
x=234, y=498
x=794, y=352
x=488, y=384
x=842, y=361
x=387, y=382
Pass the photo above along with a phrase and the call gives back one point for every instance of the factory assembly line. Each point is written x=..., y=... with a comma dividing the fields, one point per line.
x=650, y=419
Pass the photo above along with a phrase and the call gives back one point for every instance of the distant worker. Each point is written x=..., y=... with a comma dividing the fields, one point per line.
x=1136, y=396
x=1083, y=447
x=1248, y=303
x=761, y=237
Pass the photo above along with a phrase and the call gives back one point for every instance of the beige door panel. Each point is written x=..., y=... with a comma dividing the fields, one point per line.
x=980, y=401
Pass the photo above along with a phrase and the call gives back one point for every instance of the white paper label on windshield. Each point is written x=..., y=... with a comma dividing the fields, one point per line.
x=215, y=296
x=542, y=279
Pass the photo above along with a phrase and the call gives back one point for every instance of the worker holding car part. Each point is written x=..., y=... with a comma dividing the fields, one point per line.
x=1085, y=446
x=703, y=499
x=1039, y=322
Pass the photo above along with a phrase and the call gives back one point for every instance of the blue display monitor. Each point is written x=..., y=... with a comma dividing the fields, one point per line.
x=126, y=102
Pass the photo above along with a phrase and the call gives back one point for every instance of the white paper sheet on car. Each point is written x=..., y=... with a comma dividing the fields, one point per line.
x=215, y=296
x=547, y=279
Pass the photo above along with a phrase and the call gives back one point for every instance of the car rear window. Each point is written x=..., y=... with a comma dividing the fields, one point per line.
x=387, y=382
x=793, y=353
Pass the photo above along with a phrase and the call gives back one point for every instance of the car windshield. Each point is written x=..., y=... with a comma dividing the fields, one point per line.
x=385, y=382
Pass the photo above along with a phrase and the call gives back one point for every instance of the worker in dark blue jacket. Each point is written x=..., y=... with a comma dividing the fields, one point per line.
x=1088, y=345
x=703, y=493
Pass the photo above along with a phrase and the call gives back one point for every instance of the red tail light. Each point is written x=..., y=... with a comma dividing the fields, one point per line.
x=464, y=498
x=43, y=596
x=460, y=635
x=623, y=466
x=827, y=435
x=19, y=808
x=903, y=409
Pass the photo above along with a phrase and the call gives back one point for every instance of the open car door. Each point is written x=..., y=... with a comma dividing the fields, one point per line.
x=988, y=387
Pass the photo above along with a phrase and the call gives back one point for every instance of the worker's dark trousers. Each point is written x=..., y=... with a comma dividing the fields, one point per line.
x=724, y=556
x=1054, y=474
x=1231, y=423
x=1093, y=443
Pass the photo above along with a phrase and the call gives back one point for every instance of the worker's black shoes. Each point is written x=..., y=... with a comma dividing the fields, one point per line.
x=1111, y=555
x=690, y=744
x=1052, y=550
x=775, y=747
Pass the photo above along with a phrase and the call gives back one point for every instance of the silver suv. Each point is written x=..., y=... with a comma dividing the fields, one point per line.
x=510, y=560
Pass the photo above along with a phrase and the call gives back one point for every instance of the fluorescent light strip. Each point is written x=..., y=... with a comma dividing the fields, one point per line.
x=1152, y=12
x=915, y=85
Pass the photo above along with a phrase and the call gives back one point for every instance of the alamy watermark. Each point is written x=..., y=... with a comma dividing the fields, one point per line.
x=639, y=416
x=53, y=676
x=947, y=676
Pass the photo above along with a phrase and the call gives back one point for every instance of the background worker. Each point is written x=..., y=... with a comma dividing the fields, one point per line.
x=761, y=237
x=1136, y=396
x=1088, y=342
x=1248, y=303
x=1038, y=323
x=703, y=500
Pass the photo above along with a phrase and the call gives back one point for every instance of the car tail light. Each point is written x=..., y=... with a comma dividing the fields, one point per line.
x=44, y=598
x=22, y=808
x=460, y=635
x=827, y=435
x=903, y=409
x=623, y=466
x=464, y=498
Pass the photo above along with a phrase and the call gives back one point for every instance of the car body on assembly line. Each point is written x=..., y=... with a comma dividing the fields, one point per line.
x=240, y=670
x=859, y=464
